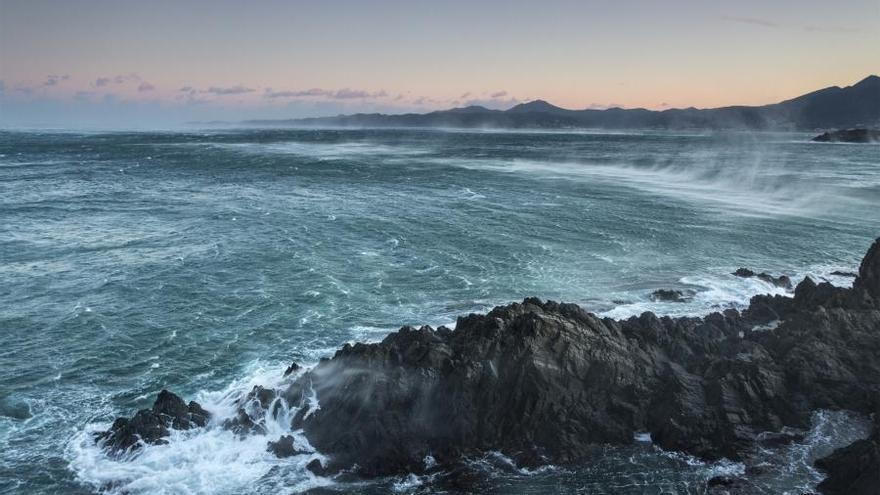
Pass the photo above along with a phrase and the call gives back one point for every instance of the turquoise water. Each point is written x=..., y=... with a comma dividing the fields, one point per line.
x=204, y=262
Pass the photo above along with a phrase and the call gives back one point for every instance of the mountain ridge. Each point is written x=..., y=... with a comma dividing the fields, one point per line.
x=832, y=107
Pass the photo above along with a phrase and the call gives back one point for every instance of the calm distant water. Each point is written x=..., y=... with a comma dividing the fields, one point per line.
x=204, y=262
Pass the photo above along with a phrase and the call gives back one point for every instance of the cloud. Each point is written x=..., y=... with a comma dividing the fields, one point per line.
x=296, y=93
x=606, y=106
x=124, y=78
x=53, y=80
x=229, y=90
x=101, y=82
x=464, y=95
x=187, y=89
x=755, y=21
x=145, y=86
x=341, y=94
x=499, y=94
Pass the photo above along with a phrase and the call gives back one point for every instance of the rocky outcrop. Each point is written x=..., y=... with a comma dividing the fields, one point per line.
x=849, y=136
x=150, y=426
x=542, y=382
x=780, y=281
x=671, y=295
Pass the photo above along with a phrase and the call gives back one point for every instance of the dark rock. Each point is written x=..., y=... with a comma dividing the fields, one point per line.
x=844, y=274
x=317, y=468
x=151, y=426
x=292, y=368
x=779, y=439
x=284, y=447
x=728, y=485
x=544, y=381
x=854, y=469
x=670, y=295
x=849, y=136
x=744, y=273
x=781, y=281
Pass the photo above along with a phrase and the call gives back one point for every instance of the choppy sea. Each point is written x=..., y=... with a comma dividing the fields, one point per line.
x=205, y=262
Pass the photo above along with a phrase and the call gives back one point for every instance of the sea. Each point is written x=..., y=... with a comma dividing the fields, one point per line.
x=205, y=261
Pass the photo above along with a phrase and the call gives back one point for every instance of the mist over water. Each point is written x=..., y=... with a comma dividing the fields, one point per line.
x=205, y=262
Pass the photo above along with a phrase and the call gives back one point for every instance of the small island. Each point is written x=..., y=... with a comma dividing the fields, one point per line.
x=849, y=136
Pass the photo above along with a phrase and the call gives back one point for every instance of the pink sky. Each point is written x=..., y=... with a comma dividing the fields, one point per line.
x=273, y=59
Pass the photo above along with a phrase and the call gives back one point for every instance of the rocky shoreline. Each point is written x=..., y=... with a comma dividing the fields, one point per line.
x=543, y=382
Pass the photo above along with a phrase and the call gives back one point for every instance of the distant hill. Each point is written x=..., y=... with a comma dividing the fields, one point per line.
x=835, y=107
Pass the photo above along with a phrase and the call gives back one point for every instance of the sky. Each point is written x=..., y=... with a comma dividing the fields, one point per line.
x=134, y=63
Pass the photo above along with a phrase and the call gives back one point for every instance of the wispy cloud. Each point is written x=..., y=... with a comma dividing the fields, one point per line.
x=757, y=21
x=145, y=86
x=499, y=94
x=53, y=80
x=101, y=82
x=340, y=94
x=229, y=90
x=604, y=106
x=124, y=78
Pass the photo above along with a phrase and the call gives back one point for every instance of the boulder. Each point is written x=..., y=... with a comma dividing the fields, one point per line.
x=284, y=447
x=151, y=426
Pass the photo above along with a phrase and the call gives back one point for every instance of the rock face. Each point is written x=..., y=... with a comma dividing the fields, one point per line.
x=849, y=136
x=542, y=382
x=151, y=425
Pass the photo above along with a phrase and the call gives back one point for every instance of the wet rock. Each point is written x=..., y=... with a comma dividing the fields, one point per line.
x=671, y=295
x=317, y=468
x=151, y=426
x=284, y=447
x=854, y=469
x=779, y=439
x=781, y=281
x=729, y=485
x=844, y=274
x=291, y=369
x=546, y=381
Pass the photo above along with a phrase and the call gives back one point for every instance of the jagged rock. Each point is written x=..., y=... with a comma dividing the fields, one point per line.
x=291, y=369
x=844, y=274
x=151, y=425
x=670, y=295
x=284, y=447
x=316, y=468
x=781, y=281
x=542, y=381
x=250, y=416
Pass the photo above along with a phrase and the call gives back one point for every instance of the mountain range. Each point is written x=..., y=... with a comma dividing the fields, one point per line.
x=830, y=108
